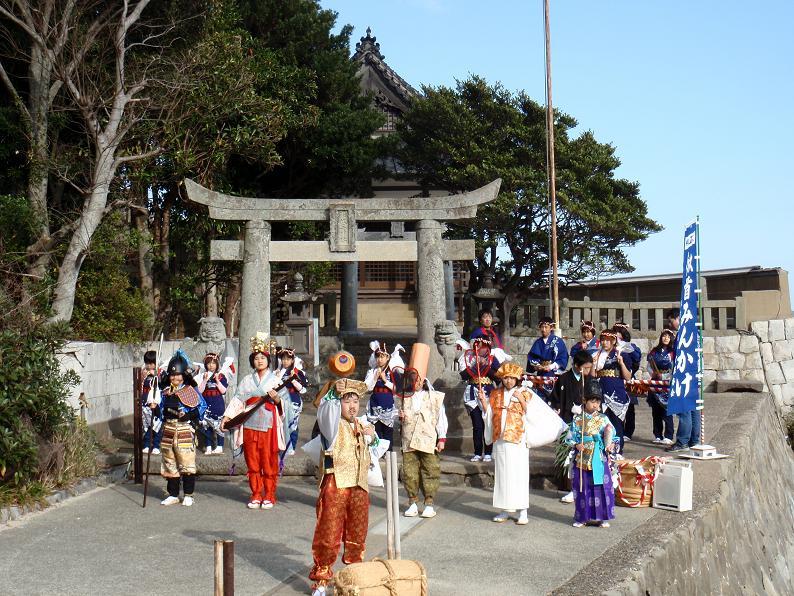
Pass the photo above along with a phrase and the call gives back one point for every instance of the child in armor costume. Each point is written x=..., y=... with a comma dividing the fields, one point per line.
x=424, y=435
x=343, y=502
x=382, y=412
x=291, y=369
x=152, y=417
x=263, y=434
x=183, y=408
x=213, y=387
x=593, y=438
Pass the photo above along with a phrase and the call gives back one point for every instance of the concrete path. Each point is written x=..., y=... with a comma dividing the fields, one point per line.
x=105, y=543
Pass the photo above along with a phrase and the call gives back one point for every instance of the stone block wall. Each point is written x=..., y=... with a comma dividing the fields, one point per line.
x=776, y=346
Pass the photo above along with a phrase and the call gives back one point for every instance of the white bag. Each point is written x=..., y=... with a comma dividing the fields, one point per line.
x=543, y=426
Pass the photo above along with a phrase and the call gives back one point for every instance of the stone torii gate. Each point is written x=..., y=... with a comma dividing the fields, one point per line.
x=257, y=250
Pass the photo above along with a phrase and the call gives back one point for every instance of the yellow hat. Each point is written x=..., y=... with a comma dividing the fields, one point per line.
x=510, y=369
x=353, y=386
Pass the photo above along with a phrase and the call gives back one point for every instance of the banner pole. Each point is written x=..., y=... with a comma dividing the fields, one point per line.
x=702, y=439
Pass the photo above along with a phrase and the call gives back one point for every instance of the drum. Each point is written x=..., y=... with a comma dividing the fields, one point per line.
x=342, y=364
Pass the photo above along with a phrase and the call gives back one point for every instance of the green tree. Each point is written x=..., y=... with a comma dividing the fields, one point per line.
x=462, y=138
x=107, y=306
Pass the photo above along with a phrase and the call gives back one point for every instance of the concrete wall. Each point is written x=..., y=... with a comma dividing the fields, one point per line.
x=105, y=371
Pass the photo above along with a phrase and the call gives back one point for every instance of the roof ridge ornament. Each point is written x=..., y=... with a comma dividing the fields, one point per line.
x=368, y=43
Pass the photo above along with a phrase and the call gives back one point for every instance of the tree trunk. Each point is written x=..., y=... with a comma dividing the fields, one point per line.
x=39, y=78
x=212, y=300
x=231, y=309
x=89, y=220
x=145, y=274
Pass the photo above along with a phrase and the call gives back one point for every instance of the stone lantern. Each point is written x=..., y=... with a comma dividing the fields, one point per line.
x=490, y=296
x=299, y=322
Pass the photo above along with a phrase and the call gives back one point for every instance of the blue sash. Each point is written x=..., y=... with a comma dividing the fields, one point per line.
x=598, y=471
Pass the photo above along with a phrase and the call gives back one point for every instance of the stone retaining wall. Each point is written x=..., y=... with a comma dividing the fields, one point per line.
x=741, y=543
x=776, y=344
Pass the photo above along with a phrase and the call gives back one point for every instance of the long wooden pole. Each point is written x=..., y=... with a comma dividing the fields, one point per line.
x=555, y=289
x=395, y=485
x=389, y=510
x=218, y=568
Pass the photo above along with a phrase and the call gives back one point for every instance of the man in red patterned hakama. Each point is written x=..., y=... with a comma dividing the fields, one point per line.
x=343, y=504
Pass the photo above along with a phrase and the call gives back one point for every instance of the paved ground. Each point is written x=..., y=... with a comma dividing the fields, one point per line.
x=105, y=543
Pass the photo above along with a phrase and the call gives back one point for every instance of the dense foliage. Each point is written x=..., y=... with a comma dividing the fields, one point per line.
x=464, y=137
x=33, y=406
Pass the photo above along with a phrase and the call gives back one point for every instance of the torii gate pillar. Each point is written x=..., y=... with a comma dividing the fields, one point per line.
x=255, y=291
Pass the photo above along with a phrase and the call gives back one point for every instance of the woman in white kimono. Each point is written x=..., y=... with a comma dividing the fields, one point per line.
x=506, y=422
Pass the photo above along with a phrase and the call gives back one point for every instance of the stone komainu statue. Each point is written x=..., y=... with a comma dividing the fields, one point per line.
x=446, y=336
x=212, y=338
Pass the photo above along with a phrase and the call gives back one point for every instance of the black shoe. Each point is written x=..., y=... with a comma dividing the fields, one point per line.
x=675, y=448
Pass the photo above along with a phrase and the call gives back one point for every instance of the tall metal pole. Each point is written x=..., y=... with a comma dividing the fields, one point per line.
x=555, y=289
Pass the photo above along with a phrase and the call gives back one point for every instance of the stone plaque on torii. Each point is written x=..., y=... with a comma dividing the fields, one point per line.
x=429, y=250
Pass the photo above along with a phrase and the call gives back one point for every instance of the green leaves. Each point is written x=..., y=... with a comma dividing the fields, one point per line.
x=33, y=396
x=462, y=138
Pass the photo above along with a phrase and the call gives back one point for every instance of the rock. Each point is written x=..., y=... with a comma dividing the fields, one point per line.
x=788, y=325
x=726, y=344
x=745, y=385
x=761, y=329
x=781, y=350
x=711, y=361
x=14, y=513
x=748, y=344
x=788, y=394
x=753, y=360
x=777, y=330
x=788, y=370
x=777, y=394
x=754, y=375
x=767, y=355
x=727, y=375
x=774, y=374
x=731, y=361
x=708, y=345
x=709, y=377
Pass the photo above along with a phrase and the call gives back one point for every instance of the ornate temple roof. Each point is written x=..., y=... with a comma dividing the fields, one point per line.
x=392, y=94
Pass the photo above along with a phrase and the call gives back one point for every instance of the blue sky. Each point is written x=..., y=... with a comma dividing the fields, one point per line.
x=697, y=96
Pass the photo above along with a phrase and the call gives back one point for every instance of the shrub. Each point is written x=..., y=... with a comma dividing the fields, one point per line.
x=33, y=399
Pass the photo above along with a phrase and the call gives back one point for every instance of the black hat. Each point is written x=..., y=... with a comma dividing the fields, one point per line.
x=592, y=390
x=179, y=366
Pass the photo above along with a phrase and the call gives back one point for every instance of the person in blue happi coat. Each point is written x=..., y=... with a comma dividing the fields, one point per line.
x=548, y=356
